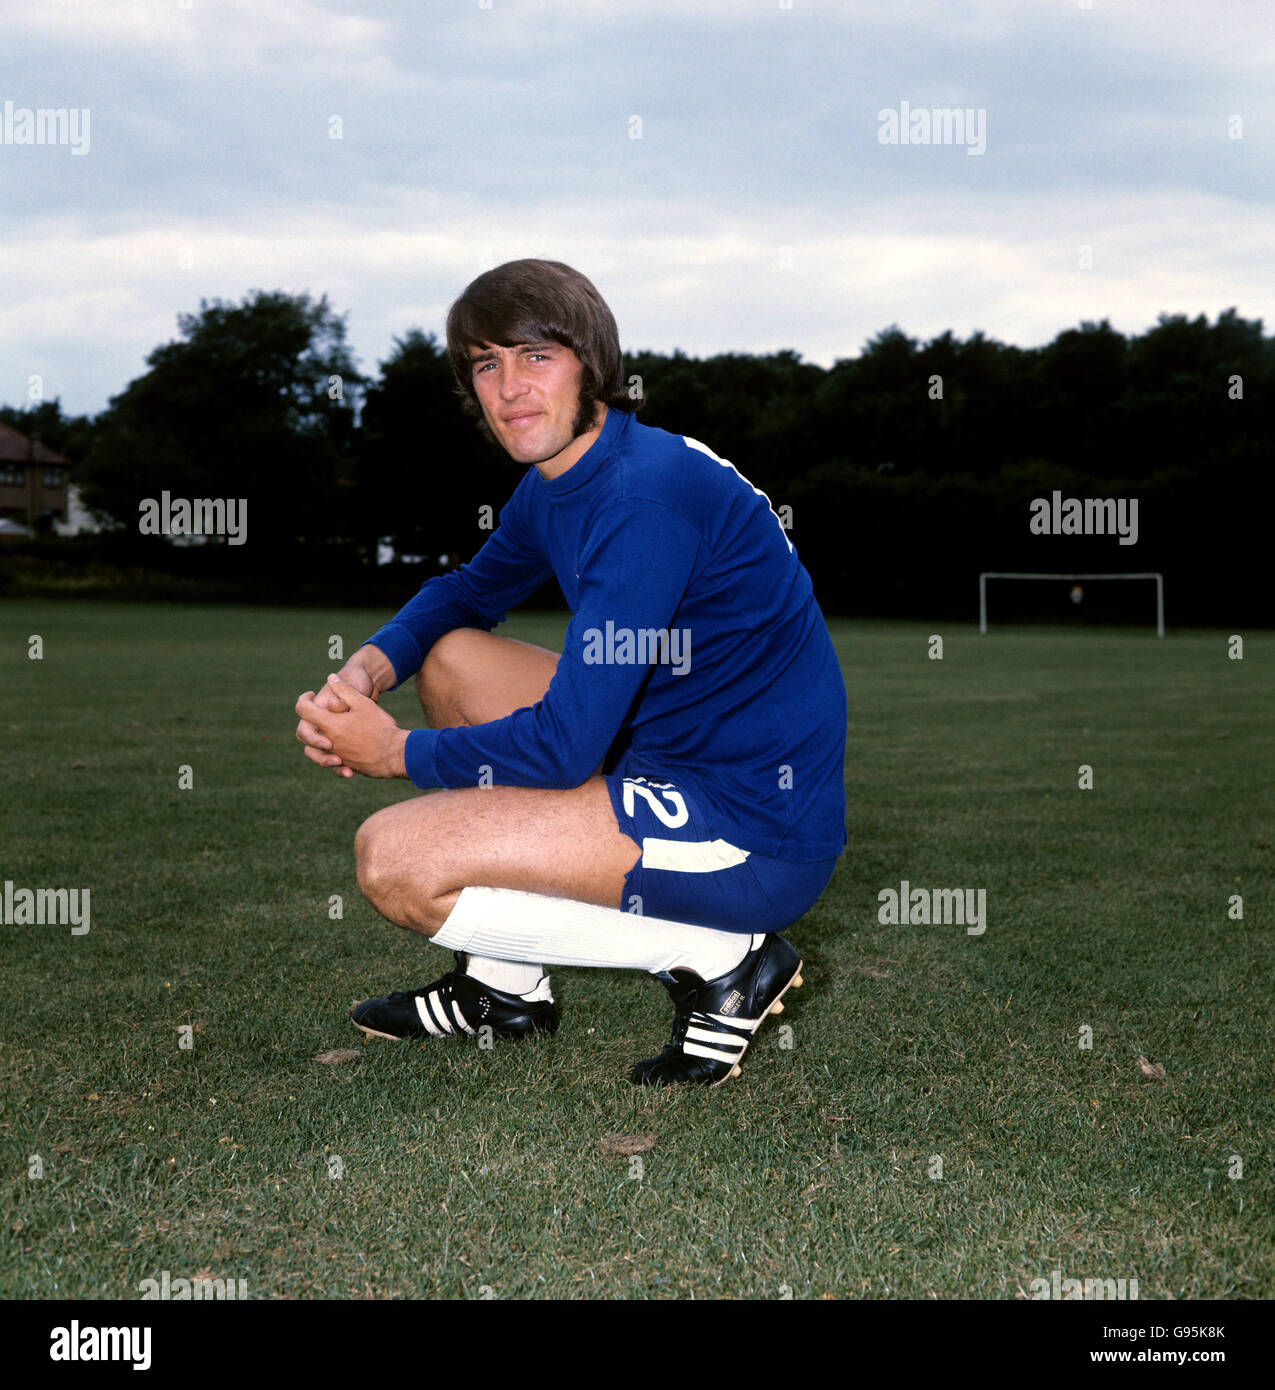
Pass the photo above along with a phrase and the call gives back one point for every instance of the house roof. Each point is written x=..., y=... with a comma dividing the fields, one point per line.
x=17, y=448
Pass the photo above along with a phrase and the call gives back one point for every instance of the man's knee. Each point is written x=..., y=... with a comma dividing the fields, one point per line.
x=398, y=888
x=370, y=857
x=438, y=680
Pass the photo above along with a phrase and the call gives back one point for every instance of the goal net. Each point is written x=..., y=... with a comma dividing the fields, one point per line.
x=1073, y=598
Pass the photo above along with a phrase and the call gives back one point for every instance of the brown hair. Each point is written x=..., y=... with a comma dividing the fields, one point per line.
x=531, y=301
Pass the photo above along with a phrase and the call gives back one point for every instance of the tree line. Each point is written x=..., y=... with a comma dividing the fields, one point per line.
x=901, y=472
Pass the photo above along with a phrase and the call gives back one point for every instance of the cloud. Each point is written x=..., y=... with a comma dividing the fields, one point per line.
x=469, y=135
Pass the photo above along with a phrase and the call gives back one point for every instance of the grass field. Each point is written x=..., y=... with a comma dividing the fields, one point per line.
x=441, y=1170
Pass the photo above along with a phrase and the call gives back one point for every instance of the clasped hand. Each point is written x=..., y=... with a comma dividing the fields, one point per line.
x=343, y=728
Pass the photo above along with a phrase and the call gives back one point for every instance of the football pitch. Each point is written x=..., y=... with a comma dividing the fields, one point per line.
x=942, y=1112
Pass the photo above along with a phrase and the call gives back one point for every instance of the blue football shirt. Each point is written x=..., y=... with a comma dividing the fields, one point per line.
x=695, y=650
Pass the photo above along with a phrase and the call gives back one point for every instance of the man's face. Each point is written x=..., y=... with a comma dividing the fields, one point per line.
x=530, y=395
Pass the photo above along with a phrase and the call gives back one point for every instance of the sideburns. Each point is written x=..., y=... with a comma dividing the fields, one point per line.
x=586, y=410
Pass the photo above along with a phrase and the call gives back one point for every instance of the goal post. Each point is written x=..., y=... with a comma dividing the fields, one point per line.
x=1008, y=574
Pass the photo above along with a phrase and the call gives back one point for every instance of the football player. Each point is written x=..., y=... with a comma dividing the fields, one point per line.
x=666, y=794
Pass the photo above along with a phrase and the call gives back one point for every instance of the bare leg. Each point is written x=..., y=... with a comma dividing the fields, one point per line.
x=414, y=858
x=473, y=677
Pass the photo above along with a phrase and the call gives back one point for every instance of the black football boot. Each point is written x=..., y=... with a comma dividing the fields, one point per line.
x=715, y=1019
x=455, y=1003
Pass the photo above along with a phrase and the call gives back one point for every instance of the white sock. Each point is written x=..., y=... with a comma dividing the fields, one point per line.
x=511, y=976
x=511, y=925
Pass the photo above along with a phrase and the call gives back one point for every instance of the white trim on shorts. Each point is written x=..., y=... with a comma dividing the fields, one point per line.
x=691, y=856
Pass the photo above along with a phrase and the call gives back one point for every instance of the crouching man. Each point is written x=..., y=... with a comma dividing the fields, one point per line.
x=664, y=795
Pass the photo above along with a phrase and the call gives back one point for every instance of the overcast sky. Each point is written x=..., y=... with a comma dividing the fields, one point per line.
x=759, y=209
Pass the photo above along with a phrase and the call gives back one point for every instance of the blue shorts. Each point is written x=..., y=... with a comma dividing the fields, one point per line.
x=686, y=873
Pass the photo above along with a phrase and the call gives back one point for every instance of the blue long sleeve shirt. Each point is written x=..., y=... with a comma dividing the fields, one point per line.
x=695, y=652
